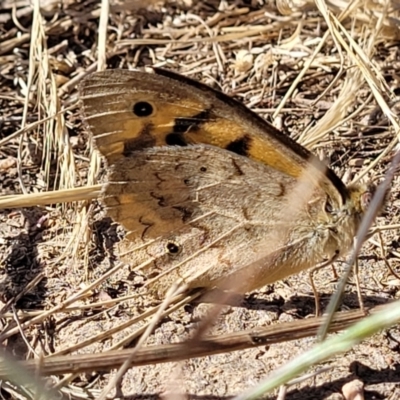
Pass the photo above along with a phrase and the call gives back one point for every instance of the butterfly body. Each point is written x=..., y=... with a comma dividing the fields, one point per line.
x=208, y=192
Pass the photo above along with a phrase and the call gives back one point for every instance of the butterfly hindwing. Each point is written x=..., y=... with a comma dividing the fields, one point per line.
x=204, y=213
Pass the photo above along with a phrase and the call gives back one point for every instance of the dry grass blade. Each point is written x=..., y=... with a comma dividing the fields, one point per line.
x=167, y=301
x=176, y=302
x=102, y=43
x=58, y=196
x=34, y=125
x=72, y=299
x=283, y=332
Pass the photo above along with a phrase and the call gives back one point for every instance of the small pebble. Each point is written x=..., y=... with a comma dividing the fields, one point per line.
x=353, y=390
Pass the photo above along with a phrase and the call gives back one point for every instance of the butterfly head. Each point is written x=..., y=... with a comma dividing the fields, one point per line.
x=346, y=219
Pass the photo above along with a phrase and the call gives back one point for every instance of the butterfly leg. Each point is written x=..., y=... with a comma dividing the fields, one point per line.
x=311, y=276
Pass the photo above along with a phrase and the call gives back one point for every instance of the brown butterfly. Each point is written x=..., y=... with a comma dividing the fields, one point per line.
x=207, y=190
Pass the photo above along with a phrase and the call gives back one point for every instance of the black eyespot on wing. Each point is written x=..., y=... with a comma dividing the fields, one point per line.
x=175, y=139
x=172, y=248
x=142, y=109
x=240, y=146
x=203, y=169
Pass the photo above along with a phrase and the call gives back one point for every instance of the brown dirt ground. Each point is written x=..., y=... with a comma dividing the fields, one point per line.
x=34, y=240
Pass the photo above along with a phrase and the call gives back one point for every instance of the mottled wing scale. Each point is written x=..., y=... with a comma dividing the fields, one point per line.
x=181, y=184
x=213, y=214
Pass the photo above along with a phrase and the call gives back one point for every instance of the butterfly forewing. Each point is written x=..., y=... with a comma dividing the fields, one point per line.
x=130, y=110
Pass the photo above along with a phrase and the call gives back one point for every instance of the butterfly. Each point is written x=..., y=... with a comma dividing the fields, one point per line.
x=209, y=193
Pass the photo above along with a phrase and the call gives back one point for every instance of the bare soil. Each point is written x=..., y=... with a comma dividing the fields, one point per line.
x=69, y=246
